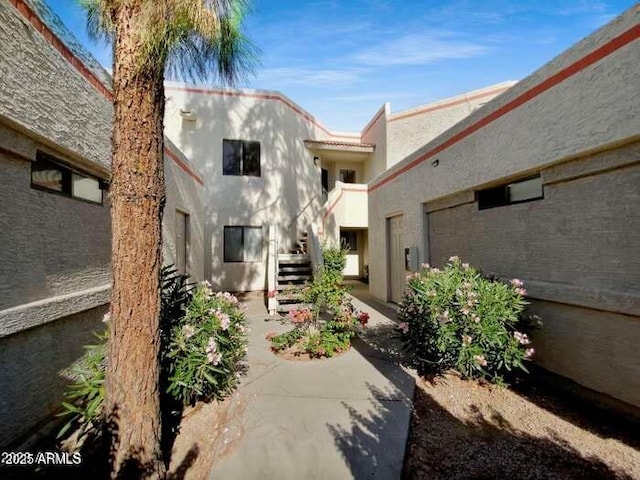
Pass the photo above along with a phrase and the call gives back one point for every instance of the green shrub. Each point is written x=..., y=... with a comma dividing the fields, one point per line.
x=182, y=380
x=206, y=347
x=334, y=259
x=456, y=318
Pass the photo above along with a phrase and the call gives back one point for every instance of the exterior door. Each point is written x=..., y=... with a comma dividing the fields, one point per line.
x=395, y=256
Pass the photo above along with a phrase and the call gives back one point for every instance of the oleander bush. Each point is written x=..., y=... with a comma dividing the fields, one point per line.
x=457, y=318
x=203, y=340
x=206, y=347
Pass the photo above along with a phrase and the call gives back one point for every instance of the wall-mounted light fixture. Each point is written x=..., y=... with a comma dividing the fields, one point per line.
x=435, y=163
x=189, y=115
x=316, y=161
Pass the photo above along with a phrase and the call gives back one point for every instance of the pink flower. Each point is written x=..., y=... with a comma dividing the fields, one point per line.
x=224, y=319
x=465, y=266
x=529, y=352
x=272, y=293
x=516, y=283
x=188, y=331
x=270, y=335
x=454, y=259
x=480, y=360
x=521, y=291
x=106, y=317
x=467, y=339
x=475, y=318
x=426, y=266
x=404, y=326
x=214, y=357
x=363, y=318
x=522, y=338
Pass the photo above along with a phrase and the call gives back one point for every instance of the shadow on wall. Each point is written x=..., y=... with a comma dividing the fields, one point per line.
x=289, y=180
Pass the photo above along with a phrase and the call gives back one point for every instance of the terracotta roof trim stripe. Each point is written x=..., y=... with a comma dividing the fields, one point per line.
x=26, y=11
x=604, y=51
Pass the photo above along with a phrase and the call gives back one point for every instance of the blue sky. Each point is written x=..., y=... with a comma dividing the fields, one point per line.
x=341, y=60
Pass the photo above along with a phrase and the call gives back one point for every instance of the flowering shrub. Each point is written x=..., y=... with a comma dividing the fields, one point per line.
x=206, y=347
x=325, y=294
x=203, y=339
x=457, y=318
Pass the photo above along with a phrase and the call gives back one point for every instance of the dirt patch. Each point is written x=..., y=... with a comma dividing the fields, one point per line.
x=296, y=354
x=462, y=429
x=208, y=432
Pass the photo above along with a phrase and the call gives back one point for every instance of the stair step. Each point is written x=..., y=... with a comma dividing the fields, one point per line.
x=284, y=298
x=293, y=258
x=295, y=268
x=293, y=278
x=285, y=287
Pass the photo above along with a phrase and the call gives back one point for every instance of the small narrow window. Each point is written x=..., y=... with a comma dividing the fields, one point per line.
x=240, y=157
x=512, y=193
x=348, y=176
x=48, y=174
x=349, y=240
x=242, y=244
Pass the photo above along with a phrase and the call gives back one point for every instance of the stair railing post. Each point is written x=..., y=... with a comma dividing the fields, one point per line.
x=272, y=271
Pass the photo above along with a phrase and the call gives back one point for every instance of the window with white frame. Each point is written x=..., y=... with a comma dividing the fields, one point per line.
x=242, y=244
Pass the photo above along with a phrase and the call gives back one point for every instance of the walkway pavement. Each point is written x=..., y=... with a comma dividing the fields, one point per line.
x=340, y=418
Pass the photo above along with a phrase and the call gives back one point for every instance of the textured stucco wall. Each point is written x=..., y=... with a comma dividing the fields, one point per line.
x=288, y=186
x=376, y=133
x=43, y=93
x=578, y=245
x=184, y=193
x=410, y=129
x=589, y=110
x=31, y=370
x=51, y=245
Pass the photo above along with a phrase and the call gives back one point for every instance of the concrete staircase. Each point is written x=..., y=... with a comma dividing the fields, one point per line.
x=294, y=270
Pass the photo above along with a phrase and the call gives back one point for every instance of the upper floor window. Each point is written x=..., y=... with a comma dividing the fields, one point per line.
x=48, y=174
x=348, y=176
x=240, y=157
x=509, y=194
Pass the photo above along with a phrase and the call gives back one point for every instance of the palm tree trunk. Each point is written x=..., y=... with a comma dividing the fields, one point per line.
x=137, y=201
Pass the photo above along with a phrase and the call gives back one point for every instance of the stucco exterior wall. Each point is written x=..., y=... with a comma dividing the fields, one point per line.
x=288, y=191
x=375, y=132
x=576, y=246
x=33, y=367
x=409, y=130
x=46, y=96
x=184, y=194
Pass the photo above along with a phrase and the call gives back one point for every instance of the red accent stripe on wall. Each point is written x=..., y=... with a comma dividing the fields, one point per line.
x=76, y=63
x=607, y=49
x=264, y=96
x=372, y=122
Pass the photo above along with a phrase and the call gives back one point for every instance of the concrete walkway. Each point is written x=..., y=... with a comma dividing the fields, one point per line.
x=339, y=418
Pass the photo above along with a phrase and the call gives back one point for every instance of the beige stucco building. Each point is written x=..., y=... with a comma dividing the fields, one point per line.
x=537, y=179
x=542, y=184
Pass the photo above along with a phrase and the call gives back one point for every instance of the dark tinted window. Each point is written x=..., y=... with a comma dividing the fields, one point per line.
x=512, y=193
x=242, y=244
x=48, y=174
x=240, y=157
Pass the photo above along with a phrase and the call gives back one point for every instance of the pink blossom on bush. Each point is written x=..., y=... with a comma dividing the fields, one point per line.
x=106, y=317
x=454, y=259
x=188, y=331
x=363, y=318
x=522, y=338
x=467, y=339
x=404, y=326
x=521, y=291
x=516, y=282
x=480, y=360
x=272, y=293
x=529, y=352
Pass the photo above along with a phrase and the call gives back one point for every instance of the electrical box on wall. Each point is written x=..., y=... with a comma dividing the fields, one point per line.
x=411, y=259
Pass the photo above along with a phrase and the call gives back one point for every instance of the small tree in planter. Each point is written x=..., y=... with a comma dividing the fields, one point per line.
x=456, y=318
x=325, y=295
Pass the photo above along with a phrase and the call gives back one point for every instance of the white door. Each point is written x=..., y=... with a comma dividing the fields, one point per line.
x=395, y=256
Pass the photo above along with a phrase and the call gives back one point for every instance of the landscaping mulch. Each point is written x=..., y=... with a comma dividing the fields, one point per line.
x=462, y=429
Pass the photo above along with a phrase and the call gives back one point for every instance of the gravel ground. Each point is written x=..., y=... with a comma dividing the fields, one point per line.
x=463, y=429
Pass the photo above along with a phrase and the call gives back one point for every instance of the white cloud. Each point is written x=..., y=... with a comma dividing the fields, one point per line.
x=420, y=49
x=308, y=76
